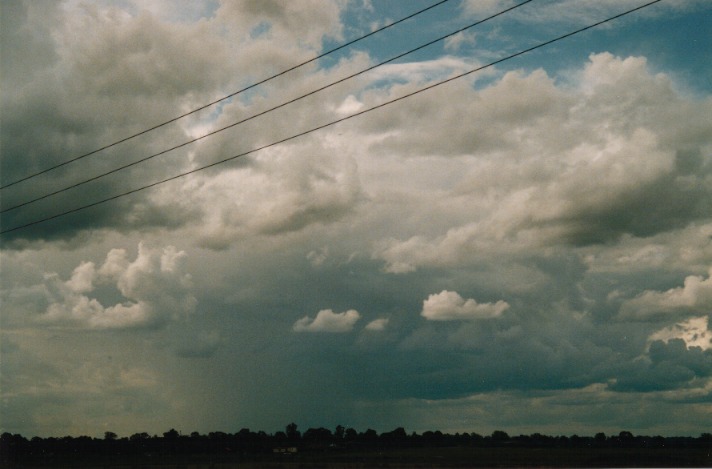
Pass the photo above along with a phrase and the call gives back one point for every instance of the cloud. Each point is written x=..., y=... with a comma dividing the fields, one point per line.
x=124, y=65
x=317, y=257
x=52, y=380
x=306, y=23
x=667, y=365
x=485, y=6
x=453, y=43
x=327, y=320
x=351, y=105
x=280, y=195
x=637, y=176
x=422, y=72
x=131, y=69
x=694, y=296
x=181, y=11
x=204, y=345
x=377, y=325
x=450, y=306
x=154, y=287
x=694, y=331
x=82, y=280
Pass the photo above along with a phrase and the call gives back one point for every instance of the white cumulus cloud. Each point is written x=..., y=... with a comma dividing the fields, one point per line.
x=154, y=288
x=694, y=295
x=450, y=306
x=327, y=320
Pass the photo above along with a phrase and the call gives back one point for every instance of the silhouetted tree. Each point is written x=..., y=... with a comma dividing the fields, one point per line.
x=430, y=438
x=317, y=437
x=350, y=434
x=83, y=451
x=625, y=438
x=293, y=434
x=339, y=432
x=139, y=437
x=369, y=436
x=395, y=438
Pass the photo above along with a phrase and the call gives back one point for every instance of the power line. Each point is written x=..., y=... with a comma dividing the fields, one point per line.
x=332, y=123
x=254, y=116
x=231, y=95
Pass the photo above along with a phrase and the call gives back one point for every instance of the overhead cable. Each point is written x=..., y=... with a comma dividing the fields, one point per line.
x=332, y=123
x=262, y=113
x=231, y=95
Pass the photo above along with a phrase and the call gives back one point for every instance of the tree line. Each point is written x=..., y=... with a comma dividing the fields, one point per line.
x=16, y=449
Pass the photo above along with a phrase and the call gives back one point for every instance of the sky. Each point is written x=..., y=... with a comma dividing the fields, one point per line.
x=527, y=248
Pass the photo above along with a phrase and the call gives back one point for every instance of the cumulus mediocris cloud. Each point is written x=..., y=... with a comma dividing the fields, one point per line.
x=327, y=320
x=694, y=296
x=155, y=289
x=450, y=306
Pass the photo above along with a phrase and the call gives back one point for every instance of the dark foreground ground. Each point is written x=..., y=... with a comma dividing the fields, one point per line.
x=462, y=457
